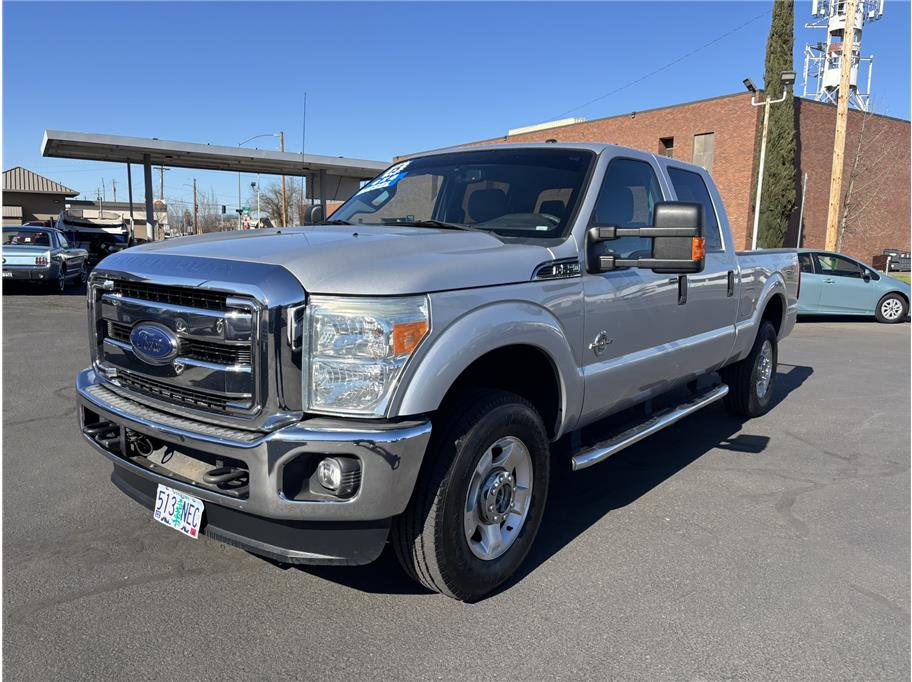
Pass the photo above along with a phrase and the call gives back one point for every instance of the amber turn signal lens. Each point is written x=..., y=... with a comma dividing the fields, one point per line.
x=407, y=336
x=698, y=249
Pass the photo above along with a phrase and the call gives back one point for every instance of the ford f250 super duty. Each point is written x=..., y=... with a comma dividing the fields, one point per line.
x=410, y=370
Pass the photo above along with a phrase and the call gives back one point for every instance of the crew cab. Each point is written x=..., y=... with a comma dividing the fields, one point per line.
x=402, y=372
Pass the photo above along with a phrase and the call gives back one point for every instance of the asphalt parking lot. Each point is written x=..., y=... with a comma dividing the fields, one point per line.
x=773, y=549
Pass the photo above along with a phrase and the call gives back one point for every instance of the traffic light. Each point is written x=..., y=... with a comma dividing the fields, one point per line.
x=224, y=208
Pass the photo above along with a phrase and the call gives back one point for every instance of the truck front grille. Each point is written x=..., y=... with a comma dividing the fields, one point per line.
x=166, y=391
x=183, y=296
x=217, y=364
x=206, y=351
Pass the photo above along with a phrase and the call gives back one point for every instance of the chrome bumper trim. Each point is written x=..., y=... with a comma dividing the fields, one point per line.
x=390, y=456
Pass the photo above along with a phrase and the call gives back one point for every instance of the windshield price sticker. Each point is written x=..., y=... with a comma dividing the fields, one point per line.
x=390, y=177
x=179, y=511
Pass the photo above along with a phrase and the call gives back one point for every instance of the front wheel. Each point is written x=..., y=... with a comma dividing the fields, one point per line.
x=751, y=381
x=891, y=309
x=480, y=498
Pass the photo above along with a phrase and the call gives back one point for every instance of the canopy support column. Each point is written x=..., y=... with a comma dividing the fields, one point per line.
x=151, y=227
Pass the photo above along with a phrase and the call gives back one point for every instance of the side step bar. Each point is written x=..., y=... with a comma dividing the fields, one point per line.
x=604, y=450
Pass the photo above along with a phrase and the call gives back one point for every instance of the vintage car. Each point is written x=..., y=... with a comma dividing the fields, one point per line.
x=42, y=255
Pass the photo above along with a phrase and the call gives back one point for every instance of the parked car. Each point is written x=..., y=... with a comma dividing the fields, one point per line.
x=400, y=372
x=835, y=284
x=893, y=260
x=42, y=255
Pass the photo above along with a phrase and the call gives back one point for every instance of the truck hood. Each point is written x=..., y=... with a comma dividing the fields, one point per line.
x=366, y=259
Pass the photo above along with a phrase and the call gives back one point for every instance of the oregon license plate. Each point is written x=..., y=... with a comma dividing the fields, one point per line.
x=178, y=510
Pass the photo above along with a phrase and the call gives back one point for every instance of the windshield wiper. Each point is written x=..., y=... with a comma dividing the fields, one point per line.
x=432, y=223
x=337, y=221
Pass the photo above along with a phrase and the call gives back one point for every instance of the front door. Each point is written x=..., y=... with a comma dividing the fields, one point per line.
x=631, y=319
x=843, y=287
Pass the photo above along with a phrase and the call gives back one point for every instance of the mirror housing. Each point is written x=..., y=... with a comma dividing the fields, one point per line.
x=677, y=241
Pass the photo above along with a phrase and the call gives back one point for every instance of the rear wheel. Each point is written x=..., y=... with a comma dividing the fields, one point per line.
x=58, y=286
x=891, y=309
x=480, y=498
x=752, y=380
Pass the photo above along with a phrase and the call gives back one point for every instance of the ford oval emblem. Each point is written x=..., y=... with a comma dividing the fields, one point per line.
x=153, y=343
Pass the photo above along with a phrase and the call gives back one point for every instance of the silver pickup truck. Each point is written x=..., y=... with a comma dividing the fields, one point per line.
x=403, y=372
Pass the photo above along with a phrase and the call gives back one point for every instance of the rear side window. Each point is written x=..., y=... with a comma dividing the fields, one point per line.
x=627, y=198
x=689, y=186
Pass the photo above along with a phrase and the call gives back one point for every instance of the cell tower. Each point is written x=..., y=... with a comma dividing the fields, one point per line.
x=822, y=60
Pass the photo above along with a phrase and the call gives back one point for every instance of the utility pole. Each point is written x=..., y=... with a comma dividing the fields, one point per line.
x=195, y=209
x=284, y=207
x=114, y=189
x=842, y=115
x=161, y=183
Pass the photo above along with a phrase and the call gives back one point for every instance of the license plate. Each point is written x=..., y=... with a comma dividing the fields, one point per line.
x=7, y=273
x=179, y=511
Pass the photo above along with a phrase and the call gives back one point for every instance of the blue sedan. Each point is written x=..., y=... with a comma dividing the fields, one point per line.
x=834, y=284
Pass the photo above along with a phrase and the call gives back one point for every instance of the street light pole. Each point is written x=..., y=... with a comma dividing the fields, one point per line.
x=240, y=144
x=788, y=77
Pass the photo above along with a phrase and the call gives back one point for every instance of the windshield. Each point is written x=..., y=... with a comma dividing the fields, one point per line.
x=20, y=237
x=513, y=192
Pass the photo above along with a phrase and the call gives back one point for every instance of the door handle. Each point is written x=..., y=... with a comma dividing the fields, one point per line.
x=682, y=289
x=829, y=281
x=731, y=283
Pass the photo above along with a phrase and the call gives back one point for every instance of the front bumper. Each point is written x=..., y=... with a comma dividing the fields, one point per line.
x=266, y=520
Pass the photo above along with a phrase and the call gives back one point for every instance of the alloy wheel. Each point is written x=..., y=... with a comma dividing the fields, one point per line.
x=498, y=500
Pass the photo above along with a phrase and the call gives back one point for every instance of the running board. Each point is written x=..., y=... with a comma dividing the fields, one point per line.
x=635, y=434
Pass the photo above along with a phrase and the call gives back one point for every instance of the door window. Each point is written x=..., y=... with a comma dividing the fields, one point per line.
x=806, y=263
x=627, y=198
x=689, y=186
x=837, y=266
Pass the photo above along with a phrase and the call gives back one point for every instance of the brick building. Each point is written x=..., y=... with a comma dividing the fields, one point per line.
x=721, y=134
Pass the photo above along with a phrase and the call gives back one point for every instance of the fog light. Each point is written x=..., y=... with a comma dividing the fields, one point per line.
x=339, y=475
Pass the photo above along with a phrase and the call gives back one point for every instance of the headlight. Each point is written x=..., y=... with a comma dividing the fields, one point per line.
x=358, y=348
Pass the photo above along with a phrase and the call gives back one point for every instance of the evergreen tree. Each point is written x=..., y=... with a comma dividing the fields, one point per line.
x=778, y=201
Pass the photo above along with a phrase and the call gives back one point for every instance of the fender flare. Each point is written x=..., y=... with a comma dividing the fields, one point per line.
x=436, y=367
x=747, y=329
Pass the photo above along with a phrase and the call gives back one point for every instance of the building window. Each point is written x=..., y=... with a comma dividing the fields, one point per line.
x=704, y=147
x=667, y=146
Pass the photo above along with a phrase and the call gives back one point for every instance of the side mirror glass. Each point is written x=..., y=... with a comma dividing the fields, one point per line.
x=677, y=241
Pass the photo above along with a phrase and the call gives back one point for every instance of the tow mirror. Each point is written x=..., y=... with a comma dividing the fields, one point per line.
x=677, y=241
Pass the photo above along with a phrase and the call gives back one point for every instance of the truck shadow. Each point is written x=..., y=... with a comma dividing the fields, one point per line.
x=576, y=501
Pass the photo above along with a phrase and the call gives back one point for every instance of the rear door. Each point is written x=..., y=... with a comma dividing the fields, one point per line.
x=712, y=303
x=811, y=284
x=843, y=287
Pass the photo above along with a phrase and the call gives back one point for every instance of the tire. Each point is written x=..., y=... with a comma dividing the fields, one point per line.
x=83, y=274
x=431, y=537
x=58, y=286
x=891, y=309
x=748, y=394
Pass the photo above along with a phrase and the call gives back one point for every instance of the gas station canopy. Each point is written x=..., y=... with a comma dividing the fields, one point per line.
x=140, y=150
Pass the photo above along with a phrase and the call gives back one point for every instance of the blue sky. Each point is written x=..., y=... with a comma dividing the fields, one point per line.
x=381, y=78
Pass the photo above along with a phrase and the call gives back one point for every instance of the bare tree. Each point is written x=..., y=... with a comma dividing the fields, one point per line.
x=871, y=164
x=271, y=202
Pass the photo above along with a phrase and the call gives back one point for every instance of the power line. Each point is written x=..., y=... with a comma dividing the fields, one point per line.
x=668, y=65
